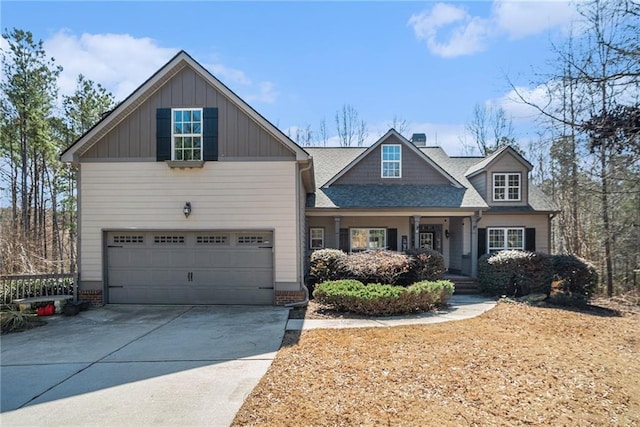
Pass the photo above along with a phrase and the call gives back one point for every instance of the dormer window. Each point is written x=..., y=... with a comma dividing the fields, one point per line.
x=186, y=135
x=391, y=164
x=506, y=187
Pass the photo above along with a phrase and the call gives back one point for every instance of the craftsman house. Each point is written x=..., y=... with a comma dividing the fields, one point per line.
x=187, y=195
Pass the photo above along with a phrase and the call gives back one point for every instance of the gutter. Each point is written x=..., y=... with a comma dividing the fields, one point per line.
x=301, y=278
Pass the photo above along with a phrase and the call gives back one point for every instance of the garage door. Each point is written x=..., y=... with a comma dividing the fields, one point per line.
x=190, y=267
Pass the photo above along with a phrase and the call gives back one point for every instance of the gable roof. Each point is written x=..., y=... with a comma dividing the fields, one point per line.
x=149, y=87
x=487, y=161
x=328, y=161
x=406, y=143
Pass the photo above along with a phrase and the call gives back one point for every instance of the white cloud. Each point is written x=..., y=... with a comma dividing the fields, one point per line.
x=121, y=63
x=523, y=18
x=450, y=31
x=467, y=34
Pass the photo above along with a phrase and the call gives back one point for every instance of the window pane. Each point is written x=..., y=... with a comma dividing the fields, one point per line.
x=197, y=128
x=499, y=180
x=496, y=238
x=197, y=154
x=358, y=238
x=514, y=180
x=376, y=239
x=514, y=194
x=177, y=116
x=186, y=115
x=515, y=239
x=187, y=128
x=196, y=142
x=196, y=115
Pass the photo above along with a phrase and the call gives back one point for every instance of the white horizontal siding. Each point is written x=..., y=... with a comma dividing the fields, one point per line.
x=223, y=195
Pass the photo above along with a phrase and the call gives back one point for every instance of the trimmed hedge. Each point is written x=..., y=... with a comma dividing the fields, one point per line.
x=567, y=279
x=574, y=280
x=376, y=266
x=324, y=264
x=382, y=300
x=515, y=273
x=426, y=264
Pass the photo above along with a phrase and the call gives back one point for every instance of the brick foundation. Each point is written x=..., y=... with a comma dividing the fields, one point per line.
x=94, y=297
x=288, y=297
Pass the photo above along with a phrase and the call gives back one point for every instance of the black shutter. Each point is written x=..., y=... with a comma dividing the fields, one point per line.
x=210, y=134
x=482, y=241
x=163, y=134
x=530, y=239
x=392, y=239
x=344, y=239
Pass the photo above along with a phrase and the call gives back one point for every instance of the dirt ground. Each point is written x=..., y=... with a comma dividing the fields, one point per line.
x=514, y=365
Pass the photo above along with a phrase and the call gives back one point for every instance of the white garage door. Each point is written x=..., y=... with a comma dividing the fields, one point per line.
x=190, y=267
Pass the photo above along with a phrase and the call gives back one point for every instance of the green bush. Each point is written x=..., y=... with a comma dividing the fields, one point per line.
x=515, y=273
x=425, y=264
x=374, y=266
x=574, y=278
x=324, y=264
x=382, y=300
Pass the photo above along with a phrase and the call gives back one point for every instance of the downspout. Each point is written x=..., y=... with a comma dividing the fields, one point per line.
x=301, y=274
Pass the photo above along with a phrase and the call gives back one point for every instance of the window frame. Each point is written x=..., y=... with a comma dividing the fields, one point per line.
x=505, y=239
x=200, y=135
x=311, y=238
x=384, y=161
x=506, y=187
x=368, y=238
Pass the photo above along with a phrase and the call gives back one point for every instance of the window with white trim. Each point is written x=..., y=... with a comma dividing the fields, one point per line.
x=316, y=238
x=363, y=239
x=391, y=164
x=505, y=238
x=186, y=134
x=506, y=187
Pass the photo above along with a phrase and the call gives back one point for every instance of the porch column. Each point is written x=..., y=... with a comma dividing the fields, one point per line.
x=416, y=231
x=336, y=230
x=474, y=243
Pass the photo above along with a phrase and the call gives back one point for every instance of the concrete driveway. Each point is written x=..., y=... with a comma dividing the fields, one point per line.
x=138, y=365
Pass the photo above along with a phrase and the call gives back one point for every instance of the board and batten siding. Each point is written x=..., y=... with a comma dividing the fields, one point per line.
x=150, y=196
x=239, y=137
x=415, y=170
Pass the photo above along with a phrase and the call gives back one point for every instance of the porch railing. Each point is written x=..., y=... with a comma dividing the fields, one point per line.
x=18, y=286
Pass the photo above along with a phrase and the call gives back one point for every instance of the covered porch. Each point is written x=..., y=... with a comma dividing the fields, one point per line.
x=453, y=234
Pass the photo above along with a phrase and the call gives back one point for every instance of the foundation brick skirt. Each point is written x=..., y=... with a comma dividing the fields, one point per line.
x=94, y=297
x=288, y=297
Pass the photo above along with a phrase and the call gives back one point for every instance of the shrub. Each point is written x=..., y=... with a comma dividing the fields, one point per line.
x=425, y=264
x=324, y=264
x=573, y=277
x=382, y=300
x=515, y=273
x=375, y=266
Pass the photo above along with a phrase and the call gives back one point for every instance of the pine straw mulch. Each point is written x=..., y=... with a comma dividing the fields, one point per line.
x=513, y=365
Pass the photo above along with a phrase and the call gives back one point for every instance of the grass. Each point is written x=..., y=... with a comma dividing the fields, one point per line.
x=514, y=365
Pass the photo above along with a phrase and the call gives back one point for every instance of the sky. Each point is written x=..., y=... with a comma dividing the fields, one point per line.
x=298, y=63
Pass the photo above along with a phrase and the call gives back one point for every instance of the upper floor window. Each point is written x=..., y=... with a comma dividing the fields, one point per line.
x=506, y=187
x=186, y=135
x=391, y=161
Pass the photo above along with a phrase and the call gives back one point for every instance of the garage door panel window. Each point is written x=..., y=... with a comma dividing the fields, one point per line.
x=168, y=240
x=124, y=239
x=212, y=240
x=505, y=238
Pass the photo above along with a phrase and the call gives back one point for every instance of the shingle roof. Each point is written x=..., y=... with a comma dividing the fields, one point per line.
x=328, y=161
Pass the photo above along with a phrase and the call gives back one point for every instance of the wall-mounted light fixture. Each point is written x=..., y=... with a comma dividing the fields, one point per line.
x=446, y=233
x=186, y=209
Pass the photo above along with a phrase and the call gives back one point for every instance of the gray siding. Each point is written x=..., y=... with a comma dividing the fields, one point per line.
x=508, y=164
x=415, y=170
x=238, y=135
x=479, y=182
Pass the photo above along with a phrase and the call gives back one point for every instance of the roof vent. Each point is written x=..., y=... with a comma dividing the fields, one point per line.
x=419, y=139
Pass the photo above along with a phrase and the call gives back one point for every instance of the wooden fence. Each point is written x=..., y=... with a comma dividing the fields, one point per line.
x=35, y=285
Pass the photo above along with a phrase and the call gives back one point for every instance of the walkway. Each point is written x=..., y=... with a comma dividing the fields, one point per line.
x=460, y=307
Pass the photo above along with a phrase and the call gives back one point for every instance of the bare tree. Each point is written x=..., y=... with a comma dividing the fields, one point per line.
x=485, y=120
x=347, y=125
x=323, y=134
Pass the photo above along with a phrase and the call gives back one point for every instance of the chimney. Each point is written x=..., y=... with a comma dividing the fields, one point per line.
x=419, y=139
